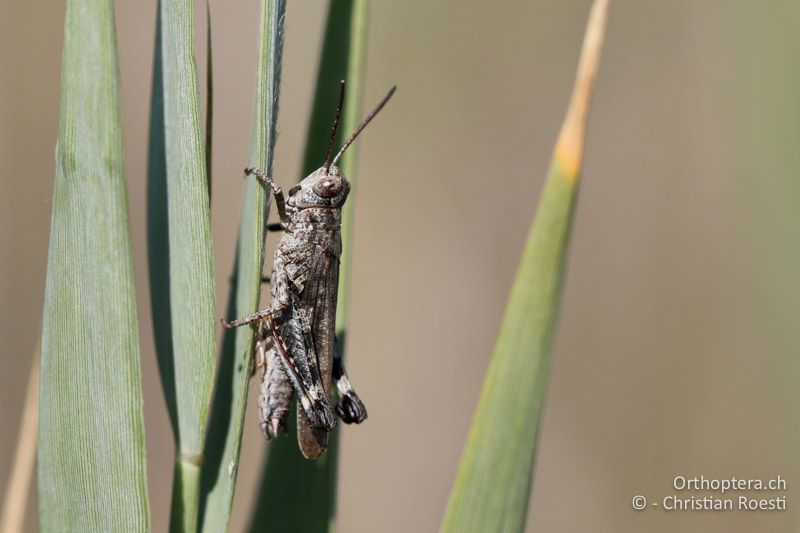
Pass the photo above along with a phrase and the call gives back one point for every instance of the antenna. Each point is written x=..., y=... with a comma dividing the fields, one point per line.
x=327, y=163
x=363, y=125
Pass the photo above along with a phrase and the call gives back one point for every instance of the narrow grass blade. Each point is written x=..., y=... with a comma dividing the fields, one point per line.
x=209, y=97
x=181, y=259
x=15, y=497
x=227, y=418
x=492, y=487
x=91, y=454
x=297, y=494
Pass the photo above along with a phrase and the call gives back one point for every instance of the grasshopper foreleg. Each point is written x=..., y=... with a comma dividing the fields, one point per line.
x=277, y=193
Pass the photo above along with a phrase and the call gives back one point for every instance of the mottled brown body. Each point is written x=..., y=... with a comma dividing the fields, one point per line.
x=306, y=269
x=296, y=342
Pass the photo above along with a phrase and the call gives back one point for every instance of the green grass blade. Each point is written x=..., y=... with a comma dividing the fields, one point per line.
x=297, y=494
x=492, y=487
x=181, y=259
x=209, y=97
x=92, y=474
x=157, y=234
x=227, y=418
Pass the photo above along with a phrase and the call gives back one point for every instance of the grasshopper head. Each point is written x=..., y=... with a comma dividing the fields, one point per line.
x=327, y=187
x=322, y=188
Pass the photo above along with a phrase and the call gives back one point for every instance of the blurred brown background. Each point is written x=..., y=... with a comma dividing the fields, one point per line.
x=677, y=350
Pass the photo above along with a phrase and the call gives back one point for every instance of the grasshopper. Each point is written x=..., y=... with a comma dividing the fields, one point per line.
x=295, y=337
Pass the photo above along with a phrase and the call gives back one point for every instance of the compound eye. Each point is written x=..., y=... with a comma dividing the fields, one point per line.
x=328, y=187
x=294, y=190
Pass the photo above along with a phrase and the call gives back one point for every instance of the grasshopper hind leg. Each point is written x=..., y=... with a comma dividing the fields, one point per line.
x=350, y=408
x=275, y=397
